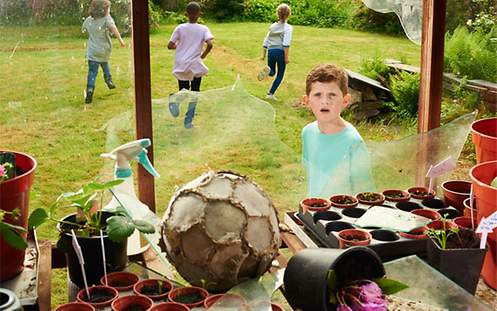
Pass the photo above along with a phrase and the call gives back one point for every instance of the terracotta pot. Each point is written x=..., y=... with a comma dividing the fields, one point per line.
x=391, y=195
x=415, y=193
x=14, y=193
x=360, y=197
x=169, y=306
x=125, y=302
x=484, y=136
x=437, y=224
x=175, y=295
x=433, y=215
x=122, y=281
x=99, y=289
x=232, y=301
x=142, y=285
x=340, y=197
x=315, y=204
x=75, y=306
x=464, y=222
x=468, y=210
x=416, y=234
x=346, y=238
x=455, y=192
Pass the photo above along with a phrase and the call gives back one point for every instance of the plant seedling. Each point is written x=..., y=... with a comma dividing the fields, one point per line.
x=440, y=236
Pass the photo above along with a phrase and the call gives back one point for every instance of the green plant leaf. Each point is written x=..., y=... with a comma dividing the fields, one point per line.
x=331, y=280
x=113, y=183
x=389, y=287
x=12, y=237
x=37, y=217
x=119, y=228
x=144, y=226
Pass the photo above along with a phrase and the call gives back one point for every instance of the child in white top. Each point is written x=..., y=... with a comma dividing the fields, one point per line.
x=188, y=40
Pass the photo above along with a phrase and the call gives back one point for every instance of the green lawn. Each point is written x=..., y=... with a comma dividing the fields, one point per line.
x=42, y=111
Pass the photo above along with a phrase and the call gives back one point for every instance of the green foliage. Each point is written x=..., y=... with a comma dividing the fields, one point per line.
x=405, y=89
x=473, y=13
x=223, y=10
x=12, y=233
x=366, y=19
x=440, y=236
x=472, y=54
x=375, y=68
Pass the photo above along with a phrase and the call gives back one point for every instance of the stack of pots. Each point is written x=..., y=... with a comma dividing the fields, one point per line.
x=484, y=136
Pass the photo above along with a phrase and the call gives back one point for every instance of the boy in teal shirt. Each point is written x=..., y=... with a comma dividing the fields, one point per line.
x=333, y=152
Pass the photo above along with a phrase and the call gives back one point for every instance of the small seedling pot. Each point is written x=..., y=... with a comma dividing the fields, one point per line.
x=433, y=215
x=315, y=204
x=380, y=198
x=133, y=301
x=337, y=201
x=468, y=210
x=421, y=193
x=465, y=222
x=438, y=225
x=353, y=237
x=191, y=296
x=75, y=306
x=384, y=235
x=122, y=281
x=407, y=206
x=169, y=306
x=455, y=192
x=433, y=203
x=337, y=226
x=449, y=213
x=326, y=215
x=394, y=195
x=229, y=301
x=354, y=212
x=100, y=296
x=146, y=287
x=416, y=234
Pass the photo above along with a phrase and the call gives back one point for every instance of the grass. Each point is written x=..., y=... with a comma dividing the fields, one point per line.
x=42, y=111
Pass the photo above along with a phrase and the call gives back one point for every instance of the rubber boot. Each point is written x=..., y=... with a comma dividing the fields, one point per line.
x=189, y=114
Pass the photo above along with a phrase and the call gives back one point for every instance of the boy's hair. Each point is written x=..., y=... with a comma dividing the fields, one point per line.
x=283, y=11
x=193, y=8
x=327, y=73
x=99, y=8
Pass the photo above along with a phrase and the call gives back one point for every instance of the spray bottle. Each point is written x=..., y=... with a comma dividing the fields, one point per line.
x=124, y=194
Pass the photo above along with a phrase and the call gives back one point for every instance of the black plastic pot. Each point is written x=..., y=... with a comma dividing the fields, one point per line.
x=305, y=277
x=115, y=253
x=462, y=265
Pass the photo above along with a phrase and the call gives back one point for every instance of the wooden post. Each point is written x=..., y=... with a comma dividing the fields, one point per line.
x=143, y=98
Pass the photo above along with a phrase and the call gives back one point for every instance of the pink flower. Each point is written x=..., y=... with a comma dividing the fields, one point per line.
x=342, y=307
x=370, y=292
x=2, y=171
x=373, y=306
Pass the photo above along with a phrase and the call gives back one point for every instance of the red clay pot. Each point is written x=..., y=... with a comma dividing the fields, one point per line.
x=437, y=225
x=122, y=280
x=413, y=192
x=416, y=234
x=166, y=287
x=235, y=301
x=125, y=302
x=81, y=296
x=75, y=306
x=307, y=204
x=375, y=202
x=468, y=210
x=388, y=195
x=464, y=222
x=14, y=193
x=455, y=192
x=169, y=306
x=433, y=215
x=340, y=197
x=484, y=136
x=176, y=293
x=346, y=237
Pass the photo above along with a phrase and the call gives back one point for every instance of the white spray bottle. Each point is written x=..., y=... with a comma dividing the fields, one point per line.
x=124, y=193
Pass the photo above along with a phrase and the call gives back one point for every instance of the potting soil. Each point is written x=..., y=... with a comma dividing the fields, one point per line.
x=463, y=239
x=189, y=298
x=97, y=297
x=151, y=290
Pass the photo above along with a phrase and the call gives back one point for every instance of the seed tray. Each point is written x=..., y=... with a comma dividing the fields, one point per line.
x=388, y=244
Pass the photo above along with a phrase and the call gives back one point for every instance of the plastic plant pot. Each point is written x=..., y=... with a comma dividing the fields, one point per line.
x=100, y=296
x=191, y=296
x=433, y=215
x=151, y=289
x=468, y=210
x=343, y=201
x=433, y=203
x=449, y=213
x=370, y=198
x=438, y=225
x=394, y=195
x=421, y=193
x=407, y=206
x=315, y=204
x=337, y=226
x=384, y=235
x=75, y=306
x=133, y=302
x=455, y=192
x=229, y=300
x=416, y=234
x=169, y=306
x=354, y=212
x=326, y=215
x=122, y=281
x=353, y=237
x=484, y=136
x=464, y=222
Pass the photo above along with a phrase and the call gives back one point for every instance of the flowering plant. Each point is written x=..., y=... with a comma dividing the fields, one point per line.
x=362, y=295
x=5, y=168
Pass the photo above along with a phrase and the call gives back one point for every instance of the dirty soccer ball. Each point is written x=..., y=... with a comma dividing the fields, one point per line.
x=219, y=230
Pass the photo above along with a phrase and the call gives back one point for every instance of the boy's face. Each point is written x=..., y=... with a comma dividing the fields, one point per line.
x=326, y=101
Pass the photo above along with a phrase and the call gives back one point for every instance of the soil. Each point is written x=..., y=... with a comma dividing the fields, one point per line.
x=135, y=307
x=120, y=283
x=395, y=195
x=355, y=238
x=464, y=239
x=189, y=298
x=151, y=290
x=419, y=192
x=317, y=205
x=369, y=196
x=97, y=297
x=343, y=200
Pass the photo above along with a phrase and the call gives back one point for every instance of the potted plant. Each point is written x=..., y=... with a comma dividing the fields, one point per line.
x=132, y=303
x=315, y=204
x=155, y=289
x=169, y=306
x=370, y=198
x=353, y=237
x=190, y=296
x=343, y=201
x=421, y=193
x=16, y=177
x=394, y=195
x=100, y=296
x=122, y=281
x=87, y=224
x=455, y=253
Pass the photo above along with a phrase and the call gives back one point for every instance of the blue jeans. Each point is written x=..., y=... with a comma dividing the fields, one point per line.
x=93, y=71
x=276, y=56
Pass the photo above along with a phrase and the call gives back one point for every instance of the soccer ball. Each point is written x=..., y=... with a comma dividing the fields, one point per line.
x=219, y=230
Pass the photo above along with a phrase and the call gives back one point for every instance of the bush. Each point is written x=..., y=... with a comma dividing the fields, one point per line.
x=375, y=68
x=223, y=10
x=366, y=19
x=405, y=90
x=15, y=12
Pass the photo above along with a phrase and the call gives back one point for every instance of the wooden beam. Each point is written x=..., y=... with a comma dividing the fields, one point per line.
x=143, y=98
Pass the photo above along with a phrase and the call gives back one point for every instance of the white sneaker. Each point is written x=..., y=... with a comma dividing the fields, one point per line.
x=264, y=73
x=271, y=96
